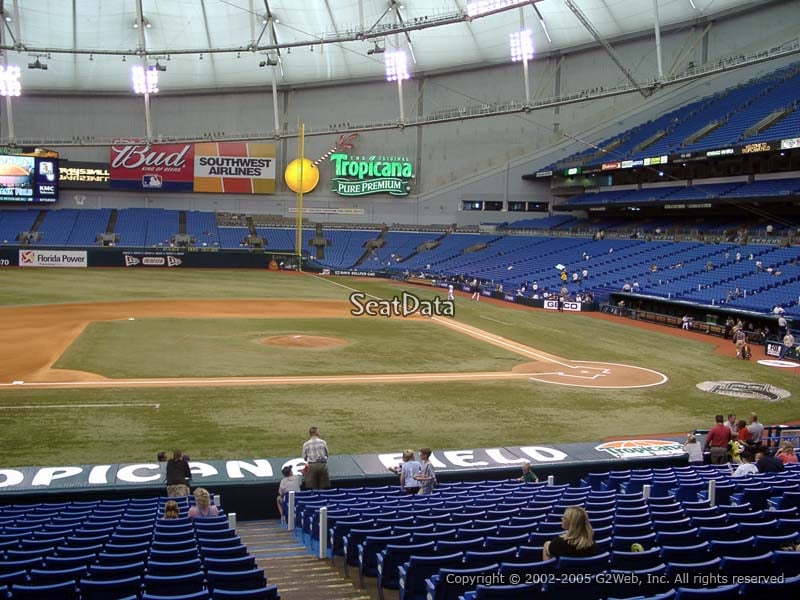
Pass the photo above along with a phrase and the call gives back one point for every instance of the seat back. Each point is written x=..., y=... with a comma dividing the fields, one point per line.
x=97, y=589
x=420, y=568
x=236, y=580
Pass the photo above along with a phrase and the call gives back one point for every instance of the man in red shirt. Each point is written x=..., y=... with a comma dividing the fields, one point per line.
x=717, y=441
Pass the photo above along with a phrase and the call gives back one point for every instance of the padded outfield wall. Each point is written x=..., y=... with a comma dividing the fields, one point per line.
x=480, y=159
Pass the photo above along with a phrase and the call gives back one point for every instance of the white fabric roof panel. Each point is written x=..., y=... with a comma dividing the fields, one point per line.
x=223, y=30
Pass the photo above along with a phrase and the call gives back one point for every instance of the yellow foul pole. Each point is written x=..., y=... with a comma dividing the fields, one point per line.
x=298, y=241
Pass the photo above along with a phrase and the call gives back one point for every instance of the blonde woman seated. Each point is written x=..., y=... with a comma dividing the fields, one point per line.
x=577, y=539
x=171, y=510
x=203, y=506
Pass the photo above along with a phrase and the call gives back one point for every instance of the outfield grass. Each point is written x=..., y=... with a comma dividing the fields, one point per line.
x=251, y=422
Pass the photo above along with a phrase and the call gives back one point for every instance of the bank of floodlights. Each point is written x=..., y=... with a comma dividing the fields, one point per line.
x=9, y=81
x=145, y=80
x=480, y=7
x=521, y=43
x=396, y=64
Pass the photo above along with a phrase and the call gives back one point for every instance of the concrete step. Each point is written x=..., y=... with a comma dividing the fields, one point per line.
x=299, y=574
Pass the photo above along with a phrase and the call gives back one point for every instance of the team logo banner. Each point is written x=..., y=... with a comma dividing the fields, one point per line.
x=156, y=168
x=234, y=167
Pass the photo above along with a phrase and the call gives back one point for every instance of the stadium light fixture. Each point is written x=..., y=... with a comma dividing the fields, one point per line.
x=145, y=81
x=521, y=43
x=9, y=81
x=396, y=64
x=37, y=64
x=482, y=7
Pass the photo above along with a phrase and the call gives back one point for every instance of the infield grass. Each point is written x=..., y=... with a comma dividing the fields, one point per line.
x=148, y=348
x=246, y=422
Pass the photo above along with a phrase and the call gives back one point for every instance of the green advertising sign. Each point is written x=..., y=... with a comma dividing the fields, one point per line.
x=362, y=175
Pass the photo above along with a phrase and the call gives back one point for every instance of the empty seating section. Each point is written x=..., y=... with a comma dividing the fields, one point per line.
x=13, y=222
x=202, y=226
x=727, y=115
x=107, y=549
x=691, y=193
x=398, y=246
x=551, y=222
x=514, y=261
x=499, y=528
x=88, y=224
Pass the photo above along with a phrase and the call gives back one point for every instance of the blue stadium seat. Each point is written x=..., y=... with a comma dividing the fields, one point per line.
x=742, y=547
x=393, y=556
x=236, y=580
x=505, y=592
x=450, y=584
x=413, y=573
x=97, y=589
x=57, y=591
x=474, y=559
x=267, y=593
x=724, y=592
x=198, y=595
x=789, y=589
x=239, y=563
x=173, y=585
x=632, y=561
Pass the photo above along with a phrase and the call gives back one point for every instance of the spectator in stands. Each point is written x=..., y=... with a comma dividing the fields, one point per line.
x=585, y=274
x=635, y=286
x=778, y=309
x=695, y=451
x=786, y=453
x=767, y=463
x=731, y=423
x=408, y=469
x=315, y=453
x=734, y=449
x=770, y=229
x=289, y=483
x=654, y=268
x=563, y=276
x=626, y=287
x=738, y=257
x=755, y=428
x=171, y=510
x=202, y=505
x=743, y=433
x=427, y=475
x=178, y=475
x=717, y=441
x=528, y=476
x=535, y=286
x=709, y=266
x=759, y=266
x=746, y=468
x=577, y=539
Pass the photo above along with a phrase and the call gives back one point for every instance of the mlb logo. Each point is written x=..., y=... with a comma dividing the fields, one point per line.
x=151, y=181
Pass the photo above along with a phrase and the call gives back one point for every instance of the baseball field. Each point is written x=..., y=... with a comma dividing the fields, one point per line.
x=110, y=365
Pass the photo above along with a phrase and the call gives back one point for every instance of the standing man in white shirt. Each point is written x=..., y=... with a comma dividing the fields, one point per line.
x=315, y=453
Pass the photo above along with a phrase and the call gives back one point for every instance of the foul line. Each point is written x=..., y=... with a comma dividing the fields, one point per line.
x=495, y=320
x=156, y=406
x=347, y=287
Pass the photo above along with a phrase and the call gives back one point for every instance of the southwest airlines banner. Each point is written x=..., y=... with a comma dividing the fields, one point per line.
x=234, y=167
x=223, y=168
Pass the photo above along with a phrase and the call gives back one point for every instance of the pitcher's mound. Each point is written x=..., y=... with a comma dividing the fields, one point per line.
x=304, y=341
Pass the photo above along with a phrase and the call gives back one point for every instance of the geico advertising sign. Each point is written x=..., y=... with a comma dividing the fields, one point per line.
x=234, y=167
x=553, y=305
x=52, y=258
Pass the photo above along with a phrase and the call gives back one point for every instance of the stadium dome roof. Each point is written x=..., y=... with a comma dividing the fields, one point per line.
x=207, y=44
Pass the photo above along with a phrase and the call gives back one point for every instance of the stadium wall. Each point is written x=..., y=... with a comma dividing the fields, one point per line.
x=455, y=161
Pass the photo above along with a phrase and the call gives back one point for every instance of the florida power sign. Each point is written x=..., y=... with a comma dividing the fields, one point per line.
x=364, y=175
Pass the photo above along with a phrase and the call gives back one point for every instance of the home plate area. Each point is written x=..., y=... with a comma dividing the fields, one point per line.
x=593, y=374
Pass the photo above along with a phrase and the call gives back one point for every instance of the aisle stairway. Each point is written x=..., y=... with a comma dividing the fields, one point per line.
x=298, y=574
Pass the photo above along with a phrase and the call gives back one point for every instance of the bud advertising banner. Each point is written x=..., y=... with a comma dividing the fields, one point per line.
x=234, y=167
x=223, y=167
x=156, y=168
